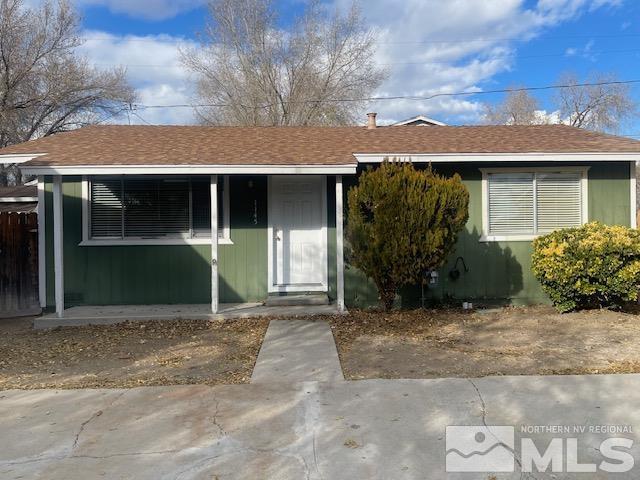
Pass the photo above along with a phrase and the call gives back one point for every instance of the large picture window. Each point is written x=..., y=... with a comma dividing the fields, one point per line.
x=155, y=208
x=521, y=204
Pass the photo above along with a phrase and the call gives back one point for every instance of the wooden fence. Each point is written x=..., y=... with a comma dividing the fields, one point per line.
x=18, y=263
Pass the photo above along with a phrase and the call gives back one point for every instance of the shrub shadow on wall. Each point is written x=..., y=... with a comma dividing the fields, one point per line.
x=494, y=276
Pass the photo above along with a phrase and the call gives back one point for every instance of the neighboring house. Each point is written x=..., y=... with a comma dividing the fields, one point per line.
x=19, y=199
x=420, y=121
x=129, y=210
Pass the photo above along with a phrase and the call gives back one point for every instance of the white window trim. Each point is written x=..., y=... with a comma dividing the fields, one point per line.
x=90, y=242
x=584, y=186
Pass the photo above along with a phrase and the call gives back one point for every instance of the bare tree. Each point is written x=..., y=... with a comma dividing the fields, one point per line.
x=45, y=87
x=602, y=106
x=518, y=108
x=252, y=72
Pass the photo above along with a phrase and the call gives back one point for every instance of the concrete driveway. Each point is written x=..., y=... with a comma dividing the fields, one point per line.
x=374, y=429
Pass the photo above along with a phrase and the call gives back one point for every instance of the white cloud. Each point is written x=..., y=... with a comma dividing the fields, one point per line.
x=587, y=51
x=431, y=46
x=153, y=68
x=147, y=9
x=544, y=117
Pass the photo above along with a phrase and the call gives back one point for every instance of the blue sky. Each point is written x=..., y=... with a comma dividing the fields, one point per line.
x=429, y=46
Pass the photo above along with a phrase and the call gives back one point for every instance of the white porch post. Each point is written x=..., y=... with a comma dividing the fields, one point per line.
x=58, y=254
x=214, y=243
x=42, y=260
x=339, y=245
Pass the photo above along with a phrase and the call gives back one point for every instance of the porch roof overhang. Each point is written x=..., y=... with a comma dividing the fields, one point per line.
x=17, y=158
x=190, y=169
x=345, y=169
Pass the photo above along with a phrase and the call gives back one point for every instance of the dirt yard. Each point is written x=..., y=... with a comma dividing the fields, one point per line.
x=128, y=355
x=509, y=341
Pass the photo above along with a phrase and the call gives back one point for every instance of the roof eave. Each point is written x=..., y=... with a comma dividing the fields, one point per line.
x=500, y=157
x=17, y=158
x=340, y=169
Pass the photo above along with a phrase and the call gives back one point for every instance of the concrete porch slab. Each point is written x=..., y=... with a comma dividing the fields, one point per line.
x=106, y=315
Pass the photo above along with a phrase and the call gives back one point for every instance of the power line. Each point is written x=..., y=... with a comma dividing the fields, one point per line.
x=178, y=41
x=145, y=121
x=509, y=39
x=524, y=57
x=404, y=97
x=426, y=62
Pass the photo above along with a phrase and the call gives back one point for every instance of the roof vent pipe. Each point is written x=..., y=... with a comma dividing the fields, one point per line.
x=372, y=120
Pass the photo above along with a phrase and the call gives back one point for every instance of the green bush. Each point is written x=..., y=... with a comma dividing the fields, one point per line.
x=591, y=266
x=402, y=223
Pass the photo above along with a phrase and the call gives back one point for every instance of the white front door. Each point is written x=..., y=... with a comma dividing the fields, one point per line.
x=297, y=233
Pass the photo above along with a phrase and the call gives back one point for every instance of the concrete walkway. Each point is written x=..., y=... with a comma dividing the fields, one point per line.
x=297, y=351
x=373, y=429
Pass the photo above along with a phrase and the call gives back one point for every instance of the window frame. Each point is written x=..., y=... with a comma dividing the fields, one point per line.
x=224, y=237
x=584, y=193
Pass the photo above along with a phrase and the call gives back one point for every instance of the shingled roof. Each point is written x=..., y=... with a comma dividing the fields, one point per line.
x=19, y=191
x=198, y=145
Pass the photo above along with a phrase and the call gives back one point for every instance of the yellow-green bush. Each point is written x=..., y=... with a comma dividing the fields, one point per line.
x=591, y=266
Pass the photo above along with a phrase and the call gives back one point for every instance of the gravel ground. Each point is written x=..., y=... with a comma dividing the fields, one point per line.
x=128, y=355
x=507, y=341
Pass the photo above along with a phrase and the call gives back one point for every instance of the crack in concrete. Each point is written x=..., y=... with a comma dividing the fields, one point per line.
x=234, y=447
x=82, y=425
x=315, y=455
x=128, y=454
x=483, y=410
x=33, y=460
x=216, y=414
x=227, y=445
x=483, y=407
x=76, y=440
x=194, y=466
x=95, y=415
x=309, y=421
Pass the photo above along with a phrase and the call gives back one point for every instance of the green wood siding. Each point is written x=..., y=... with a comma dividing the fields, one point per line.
x=500, y=271
x=243, y=265
x=181, y=274
x=173, y=274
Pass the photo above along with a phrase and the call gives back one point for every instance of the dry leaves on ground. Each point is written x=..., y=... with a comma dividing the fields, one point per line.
x=129, y=354
x=505, y=341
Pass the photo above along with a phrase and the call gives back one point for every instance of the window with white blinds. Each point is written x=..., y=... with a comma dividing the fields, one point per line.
x=558, y=201
x=521, y=203
x=153, y=208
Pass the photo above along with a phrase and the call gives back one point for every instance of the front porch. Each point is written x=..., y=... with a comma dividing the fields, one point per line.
x=140, y=247
x=106, y=315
